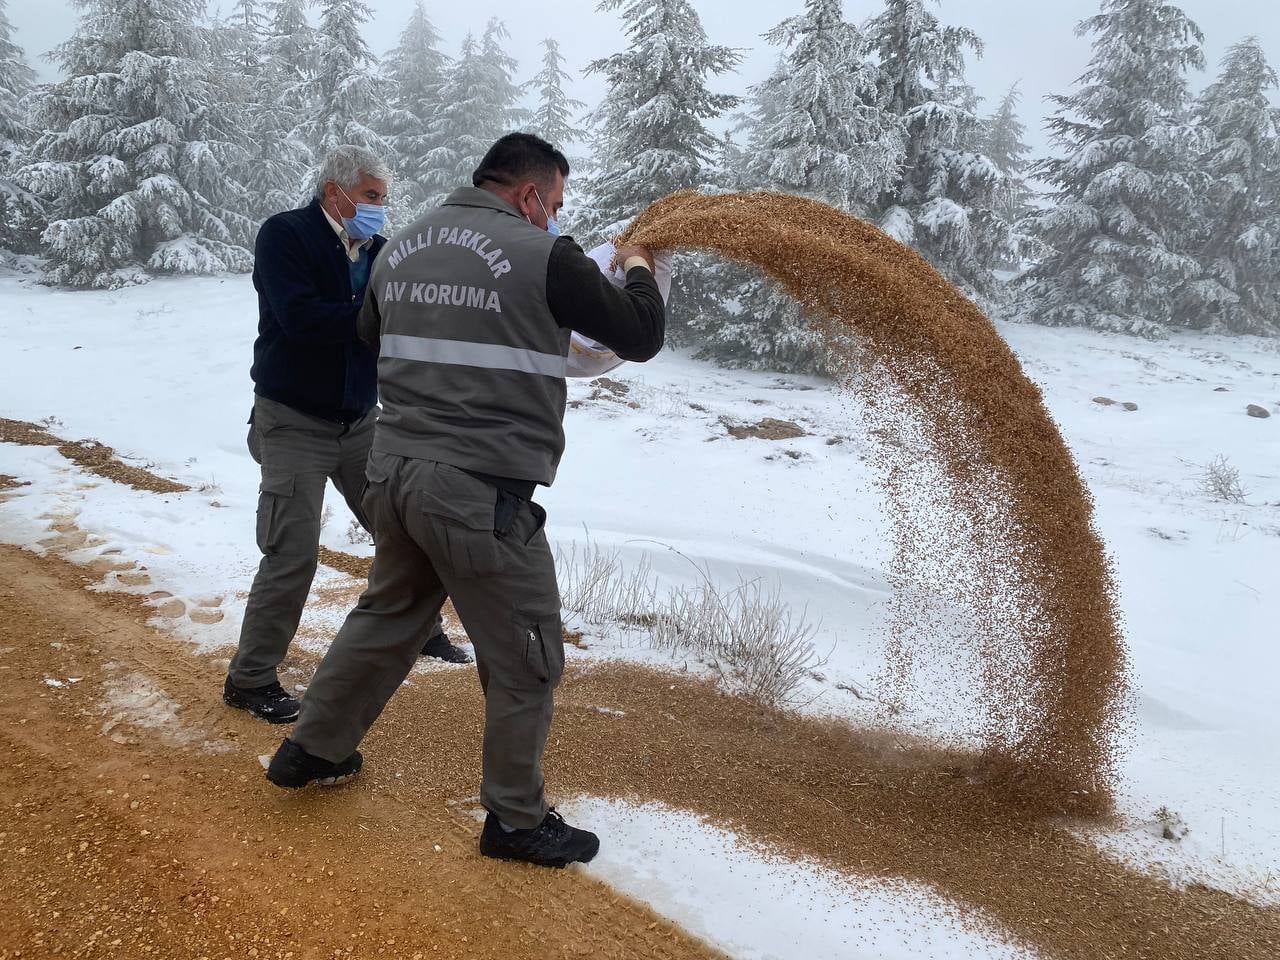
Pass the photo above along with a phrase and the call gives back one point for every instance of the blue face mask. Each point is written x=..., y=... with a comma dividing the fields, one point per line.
x=368, y=220
x=553, y=228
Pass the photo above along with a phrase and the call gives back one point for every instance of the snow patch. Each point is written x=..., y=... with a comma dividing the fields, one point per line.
x=136, y=701
x=757, y=906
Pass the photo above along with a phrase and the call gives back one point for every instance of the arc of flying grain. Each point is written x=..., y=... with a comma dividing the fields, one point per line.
x=990, y=425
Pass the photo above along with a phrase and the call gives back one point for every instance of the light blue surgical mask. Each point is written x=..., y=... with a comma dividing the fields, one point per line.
x=368, y=220
x=553, y=228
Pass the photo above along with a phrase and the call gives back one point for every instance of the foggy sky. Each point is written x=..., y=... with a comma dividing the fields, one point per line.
x=1028, y=40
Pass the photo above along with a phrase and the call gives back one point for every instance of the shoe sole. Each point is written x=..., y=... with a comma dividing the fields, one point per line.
x=553, y=864
x=462, y=662
x=257, y=716
x=318, y=781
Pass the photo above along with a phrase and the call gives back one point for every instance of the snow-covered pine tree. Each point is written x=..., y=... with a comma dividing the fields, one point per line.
x=247, y=29
x=651, y=130
x=943, y=205
x=261, y=89
x=553, y=120
x=134, y=164
x=345, y=93
x=954, y=89
x=652, y=135
x=504, y=93
x=815, y=127
x=16, y=78
x=1238, y=232
x=1005, y=145
x=416, y=70
x=291, y=53
x=1124, y=194
x=479, y=102
x=21, y=218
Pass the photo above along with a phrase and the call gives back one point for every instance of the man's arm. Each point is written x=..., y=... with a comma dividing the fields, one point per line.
x=369, y=323
x=632, y=322
x=285, y=274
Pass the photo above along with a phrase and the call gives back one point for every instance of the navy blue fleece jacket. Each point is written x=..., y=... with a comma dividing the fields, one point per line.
x=307, y=355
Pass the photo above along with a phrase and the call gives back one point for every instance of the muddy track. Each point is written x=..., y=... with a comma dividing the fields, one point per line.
x=142, y=826
x=166, y=841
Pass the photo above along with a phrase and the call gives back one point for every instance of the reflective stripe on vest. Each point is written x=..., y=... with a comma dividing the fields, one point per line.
x=490, y=356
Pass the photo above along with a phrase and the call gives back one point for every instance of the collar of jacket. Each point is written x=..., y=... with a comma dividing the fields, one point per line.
x=478, y=197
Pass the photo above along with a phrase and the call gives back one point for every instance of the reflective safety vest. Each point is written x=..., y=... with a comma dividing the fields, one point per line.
x=472, y=363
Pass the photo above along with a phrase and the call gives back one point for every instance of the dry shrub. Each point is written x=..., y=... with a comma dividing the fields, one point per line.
x=1017, y=538
x=1220, y=480
x=758, y=644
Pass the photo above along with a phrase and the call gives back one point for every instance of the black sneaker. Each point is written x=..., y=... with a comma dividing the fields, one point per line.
x=441, y=648
x=292, y=767
x=269, y=703
x=553, y=843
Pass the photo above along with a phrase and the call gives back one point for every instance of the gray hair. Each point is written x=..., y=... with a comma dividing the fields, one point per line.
x=345, y=165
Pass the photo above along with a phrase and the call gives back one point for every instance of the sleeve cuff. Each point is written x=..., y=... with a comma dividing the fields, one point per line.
x=633, y=262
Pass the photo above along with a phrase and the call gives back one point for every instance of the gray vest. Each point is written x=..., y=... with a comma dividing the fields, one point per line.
x=472, y=363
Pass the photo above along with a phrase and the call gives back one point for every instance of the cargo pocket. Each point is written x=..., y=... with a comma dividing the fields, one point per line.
x=255, y=447
x=376, y=473
x=462, y=522
x=538, y=635
x=273, y=496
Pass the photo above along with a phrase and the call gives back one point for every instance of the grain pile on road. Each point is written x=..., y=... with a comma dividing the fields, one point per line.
x=95, y=457
x=128, y=840
x=960, y=424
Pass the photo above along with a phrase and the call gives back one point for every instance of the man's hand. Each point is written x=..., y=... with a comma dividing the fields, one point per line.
x=634, y=250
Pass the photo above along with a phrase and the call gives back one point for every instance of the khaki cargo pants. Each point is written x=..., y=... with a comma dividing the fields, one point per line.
x=298, y=454
x=440, y=531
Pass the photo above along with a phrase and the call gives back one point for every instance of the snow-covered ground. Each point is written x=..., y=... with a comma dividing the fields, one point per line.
x=714, y=884
x=161, y=374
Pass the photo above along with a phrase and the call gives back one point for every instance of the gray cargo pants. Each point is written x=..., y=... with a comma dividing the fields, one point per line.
x=298, y=454
x=441, y=531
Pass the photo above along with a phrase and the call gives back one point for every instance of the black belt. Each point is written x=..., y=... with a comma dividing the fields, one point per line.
x=520, y=488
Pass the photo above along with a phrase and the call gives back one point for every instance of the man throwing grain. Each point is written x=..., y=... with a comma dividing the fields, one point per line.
x=474, y=304
x=313, y=409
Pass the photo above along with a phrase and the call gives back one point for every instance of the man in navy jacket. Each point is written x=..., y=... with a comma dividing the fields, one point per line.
x=315, y=386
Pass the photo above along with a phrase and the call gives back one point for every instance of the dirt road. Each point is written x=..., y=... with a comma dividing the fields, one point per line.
x=136, y=822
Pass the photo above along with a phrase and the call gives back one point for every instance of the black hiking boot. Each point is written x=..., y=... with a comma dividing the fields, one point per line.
x=553, y=843
x=292, y=767
x=269, y=703
x=441, y=648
